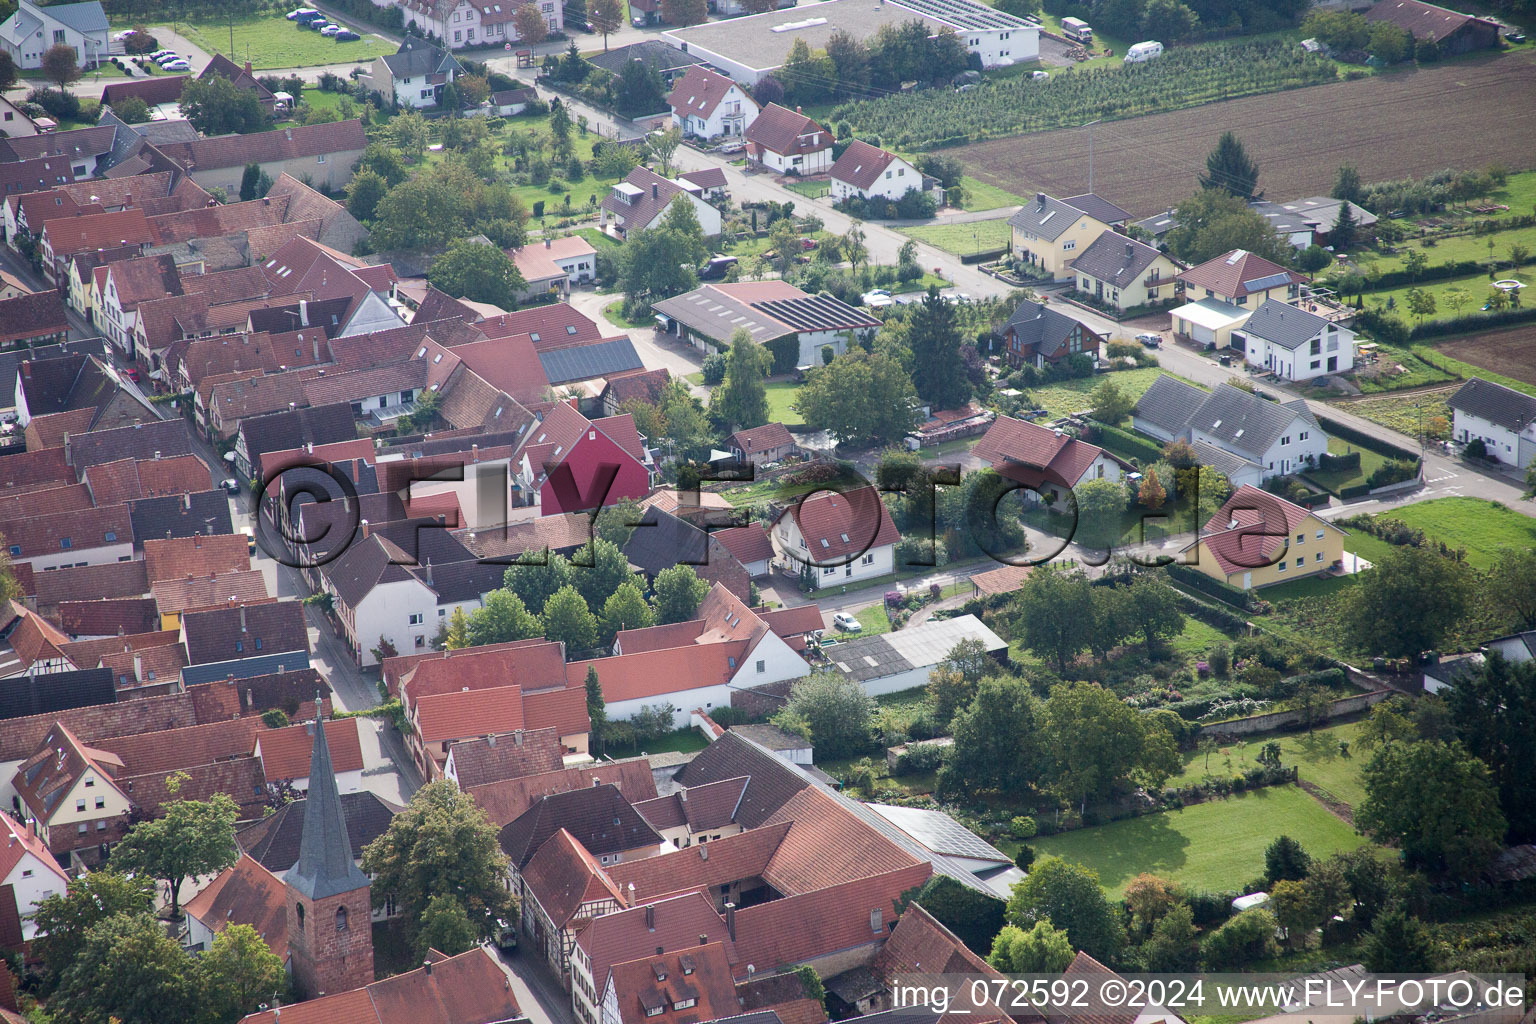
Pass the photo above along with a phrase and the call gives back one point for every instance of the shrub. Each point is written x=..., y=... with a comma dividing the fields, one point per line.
x=1247, y=937
x=714, y=368
x=919, y=758
x=1023, y=827
x=1330, y=462
x=140, y=41
x=274, y=718
x=61, y=106
x=1392, y=472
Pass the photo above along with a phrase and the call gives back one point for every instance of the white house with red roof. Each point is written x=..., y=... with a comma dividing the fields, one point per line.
x=843, y=538
x=788, y=142
x=707, y=105
x=29, y=869
x=867, y=172
x=641, y=200
x=1046, y=461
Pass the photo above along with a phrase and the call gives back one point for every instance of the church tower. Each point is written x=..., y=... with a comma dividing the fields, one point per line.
x=330, y=935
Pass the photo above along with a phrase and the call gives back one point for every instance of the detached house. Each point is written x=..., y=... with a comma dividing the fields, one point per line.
x=470, y=23
x=415, y=74
x=843, y=538
x=706, y=105
x=1502, y=418
x=1050, y=234
x=867, y=172
x=34, y=29
x=1258, y=538
x=788, y=142
x=321, y=154
x=1046, y=461
x=1294, y=344
x=771, y=442
x=1240, y=278
x=1271, y=438
x=1037, y=335
x=640, y=201
x=28, y=869
x=1123, y=272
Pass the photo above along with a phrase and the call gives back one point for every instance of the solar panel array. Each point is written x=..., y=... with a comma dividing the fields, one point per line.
x=965, y=14
x=1260, y=284
x=816, y=313
x=584, y=362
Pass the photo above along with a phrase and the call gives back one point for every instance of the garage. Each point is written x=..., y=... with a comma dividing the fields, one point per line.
x=1209, y=322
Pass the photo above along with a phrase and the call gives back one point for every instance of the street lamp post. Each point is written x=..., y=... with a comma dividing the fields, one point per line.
x=1089, y=126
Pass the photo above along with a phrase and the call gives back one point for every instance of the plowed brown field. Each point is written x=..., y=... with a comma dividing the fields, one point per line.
x=1465, y=114
x=1511, y=352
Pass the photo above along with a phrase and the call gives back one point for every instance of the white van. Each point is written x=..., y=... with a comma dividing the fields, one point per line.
x=1143, y=52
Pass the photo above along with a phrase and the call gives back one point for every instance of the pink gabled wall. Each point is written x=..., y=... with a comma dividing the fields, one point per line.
x=572, y=486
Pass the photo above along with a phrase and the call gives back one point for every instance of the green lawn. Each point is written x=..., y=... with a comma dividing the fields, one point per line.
x=1334, y=479
x=1071, y=396
x=964, y=238
x=780, y=395
x=271, y=41
x=874, y=620
x=598, y=239
x=1317, y=753
x=614, y=314
x=1215, y=846
x=981, y=196
x=1475, y=285
x=683, y=741
x=1197, y=638
x=809, y=189
x=1482, y=527
x=1400, y=369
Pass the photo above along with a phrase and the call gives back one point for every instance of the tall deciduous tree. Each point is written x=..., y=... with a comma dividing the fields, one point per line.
x=659, y=263
x=442, y=844
x=934, y=338
x=741, y=401
x=364, y=192
x=1054, y=613
x=536, y=576
x=839, y=712
x=684, y=12
x=1437, y=801
x=1153, y=611
x=850, y=60
x=478, y=272
x=503, y=618
x=530, y=24
x=1347, y=184
x=1213, y=221
x=859, y=397
x=445, y=927
x=678, y=591
x=1097, y=744
x=1230, y=168
x=1069, y=897
x=1494, y=711
x=606, y=17
x=191, y=837
x=568, y=619
x=128, y=970
x=624, y=609
x=8, y=73
x=1043, y=949
x=598, y=570
x=216, y=106
x=61, y=65
x=64, y=918
x=997, y=741
x=237, y=974
x=1408, y=602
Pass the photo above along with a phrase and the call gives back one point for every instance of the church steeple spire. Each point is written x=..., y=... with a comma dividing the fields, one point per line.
x=325, y=866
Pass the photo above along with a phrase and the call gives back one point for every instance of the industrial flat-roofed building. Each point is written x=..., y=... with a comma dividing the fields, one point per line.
x=751, y=47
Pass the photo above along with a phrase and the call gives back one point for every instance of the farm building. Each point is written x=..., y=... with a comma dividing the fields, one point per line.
x=748, y=48
x=710, y=315
x=901, y=660
x=1453, y=31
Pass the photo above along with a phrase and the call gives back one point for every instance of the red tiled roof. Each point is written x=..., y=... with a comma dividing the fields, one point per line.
x=163, y=752
x=492, y=757
x=85, y=529
x=1226, y=274
x=649, y=990
x=1002, y=580
x=441, y=717
x=219, y=591
x=670, y=925
x=32, y=316
x=652, y=673
x=700, y=91
x=747, y=543
x=471, y=988
x=862, y=164
x=193, y=557
x=96, y=231
x=246, y=894
x=19, y=841
x=719, y=862
x=535, y=664
x=1252, y=528
x=1033, y=454
x=285, y=752
x=90, y=652
x=281, y=144
x=507, y=800
x=837, y=526
x=794, y=620
x=47, y=502
x=786, y=132
x=921, y=945
x=115, y=616
x=150, y=665
x=1421, y=19
x=757, y=440
x=35, y=638
x=563, y=709
x=828, y=844
x=563, y=876
x=31, y=470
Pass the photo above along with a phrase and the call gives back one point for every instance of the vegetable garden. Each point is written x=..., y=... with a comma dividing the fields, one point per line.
x=1181, y=78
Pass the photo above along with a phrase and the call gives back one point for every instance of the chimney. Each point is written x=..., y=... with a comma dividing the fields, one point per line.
x=703, y=939
x=682, y=795
x=655, y=190
x=303, y=312
x=138, y=667
x=250, y=698
x=517, y=738
x=650, y=917
x=426, y=965
x=242, y=618
x=186, y=502
x=1130, y=252
x=703, y=852
x=1040, y=200
x=798, y=109
x=548, y=243
x=730, y=920
x=316, y=343
x=247, y=67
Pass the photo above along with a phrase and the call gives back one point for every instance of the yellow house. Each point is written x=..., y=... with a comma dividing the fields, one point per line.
x=1258, y=539
x=1241, y=279
x=1124, y=272
x=1050, y=235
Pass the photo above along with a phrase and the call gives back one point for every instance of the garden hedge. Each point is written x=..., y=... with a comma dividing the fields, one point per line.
x=1366, y=441
x=1211, y=587
x=1472, y=322
x=1144, y=450
x=1438, y=272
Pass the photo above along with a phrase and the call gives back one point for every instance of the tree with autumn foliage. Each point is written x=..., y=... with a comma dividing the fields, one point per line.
x=1151, y=493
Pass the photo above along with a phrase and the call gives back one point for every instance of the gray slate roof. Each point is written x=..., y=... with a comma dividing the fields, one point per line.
x=419, y=57
x=274, y=842
x=86, y=17
x=1099, y=208
x=1045, y=217
x=325, y=866
x=1224, y=462
x=1495, y=403
x=657, y=55
x=1246, y=423
x=1115, y=259
x=1169, y=403
x=1039, y=327
x=1284, y=325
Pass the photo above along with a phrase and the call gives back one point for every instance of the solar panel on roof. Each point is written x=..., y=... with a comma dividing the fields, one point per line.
x=1262, y=283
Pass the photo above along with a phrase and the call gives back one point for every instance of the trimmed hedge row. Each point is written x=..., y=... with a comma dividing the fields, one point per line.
x=1366, y=441
x=1210, y=586
x=1471, y=322
x=1146, y=451
x=1438, y=272
x=1330, y=462
x=1220, y=616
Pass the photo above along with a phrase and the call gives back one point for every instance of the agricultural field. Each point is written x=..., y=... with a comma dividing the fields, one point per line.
x=1482, y=527
x=963, y=238
x=1216, y=846
x=1480, y=110
x=1185, y=77
x=1509, y=354
x=271, y=41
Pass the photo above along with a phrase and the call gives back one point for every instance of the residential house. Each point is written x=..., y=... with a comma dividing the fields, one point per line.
x=63, y=237
x=1501, y=417
x=663, y=540
x=34, y=319
x=1100, y=209
x=1257, y=539
x=322, y=154
x=1123, y=272
x=284, y=431
x=670, y=989
x=1293, y=344
x=194, y=557
x=495, y=757
x=472, y=986
x=1280, y=437
x=1454, y=32
x=414, y=75
x=707, y=105
x=669, y=62
x=751, y=545
x=772, y=313
x=1049, y=234
x=598, y=817
x=29, y=870
x=127, y=283
x=640, y=202
x=1241, y=278
x=247, y=894
x=98, y=397
x=551, y=268
x=569, y=463
x=1321, y=213
x=461, y=24
x=1036, y=335
x=771, y=442
x=788, y=142
x=245, y=641
x=840, y=539
x=174, y=598
x=81, y=537
x=15, y=123
x=563, y=887
x=869, y=172
x=1047, y=462
x=220, y=66
x=504, y=801
x=35, y=29
x=637, y=385
x=511, y=102
x=285, y=754
x=710, y=181
x=66, y=788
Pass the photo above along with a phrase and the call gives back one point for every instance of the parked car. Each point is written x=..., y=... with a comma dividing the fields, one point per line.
x=120, y=36
x=302, y=12
x=176, y=65
x=230, y=485
x=1149, y=339
x=330, y=30
x=346, y=36
x=878, y=298
x=158, y=54
x=1039, y=76
x=717, y=267
x=846, y=622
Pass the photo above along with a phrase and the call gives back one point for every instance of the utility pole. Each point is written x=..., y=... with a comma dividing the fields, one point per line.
x=1089, y=126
